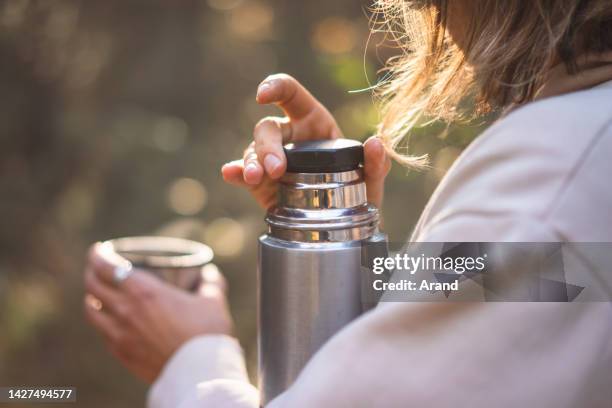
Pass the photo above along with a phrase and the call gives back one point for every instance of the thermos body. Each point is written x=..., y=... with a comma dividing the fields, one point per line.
x=308, y=292
x=309, y=271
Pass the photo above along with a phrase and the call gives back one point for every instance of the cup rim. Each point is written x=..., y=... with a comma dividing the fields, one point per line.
x=189, y=254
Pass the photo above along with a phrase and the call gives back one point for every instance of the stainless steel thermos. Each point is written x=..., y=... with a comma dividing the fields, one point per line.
x=310, y=279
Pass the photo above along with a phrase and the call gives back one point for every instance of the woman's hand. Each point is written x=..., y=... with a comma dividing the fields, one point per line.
x=306, y=118
x=144, y=320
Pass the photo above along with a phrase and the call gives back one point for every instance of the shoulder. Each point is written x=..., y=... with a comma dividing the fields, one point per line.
x=545, y=161
x=584, y=110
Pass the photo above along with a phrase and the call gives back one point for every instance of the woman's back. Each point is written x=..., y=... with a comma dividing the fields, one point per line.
x=539, y=174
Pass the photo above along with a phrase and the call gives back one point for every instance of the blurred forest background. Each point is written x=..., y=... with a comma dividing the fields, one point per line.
x=115, y=118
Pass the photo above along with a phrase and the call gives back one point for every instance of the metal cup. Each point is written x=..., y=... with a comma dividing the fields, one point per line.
x=179, y=262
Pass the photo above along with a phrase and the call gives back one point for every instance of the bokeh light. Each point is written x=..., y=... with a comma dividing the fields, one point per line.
x=358, y=118
x=28, y=304
x=169, y=133
x=334, y=35
x=225, y=236
x=183, y=227
x=251, y=21
x=13, y=13
x=186, y=196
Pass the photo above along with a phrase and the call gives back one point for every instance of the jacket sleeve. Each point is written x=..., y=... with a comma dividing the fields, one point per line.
x=207, y=371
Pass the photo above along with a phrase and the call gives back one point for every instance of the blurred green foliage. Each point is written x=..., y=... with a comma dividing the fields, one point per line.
x=115, y=118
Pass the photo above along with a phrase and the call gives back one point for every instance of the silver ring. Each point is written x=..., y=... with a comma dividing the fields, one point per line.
x=122, y=272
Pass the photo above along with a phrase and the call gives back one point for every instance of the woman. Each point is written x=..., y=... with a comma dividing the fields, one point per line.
x=538, y=174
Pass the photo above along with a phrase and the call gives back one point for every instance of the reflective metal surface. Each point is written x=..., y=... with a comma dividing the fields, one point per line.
x=308, y=292
x=323, y=207
x=309, y=270
x=179, y=262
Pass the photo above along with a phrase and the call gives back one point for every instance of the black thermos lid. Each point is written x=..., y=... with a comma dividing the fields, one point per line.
x=324, y=156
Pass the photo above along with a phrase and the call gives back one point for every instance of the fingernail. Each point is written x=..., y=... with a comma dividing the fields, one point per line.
x=251, y=167
x=263, y=89
x=271, y=163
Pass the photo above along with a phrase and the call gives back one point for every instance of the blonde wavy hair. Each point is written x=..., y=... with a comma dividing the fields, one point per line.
x=506, y=50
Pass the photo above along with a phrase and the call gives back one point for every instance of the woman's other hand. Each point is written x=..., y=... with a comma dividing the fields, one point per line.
x=264, y=162
x=144, y=320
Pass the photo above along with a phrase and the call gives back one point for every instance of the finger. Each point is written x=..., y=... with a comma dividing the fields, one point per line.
x=253, y=172
x=288, y=94
x=376, y=168
x=211, y=275
x=232, y=173
x=102, y=322
x=266, y=193
x=104, y=260
x=108, y=295
x=270, y=135
x=210, y=291
x=123, y=304
x=144, y=287
x=111, y=301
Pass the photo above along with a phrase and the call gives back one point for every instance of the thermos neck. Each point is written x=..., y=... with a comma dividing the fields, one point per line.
x=317, y=191
x=323, y=207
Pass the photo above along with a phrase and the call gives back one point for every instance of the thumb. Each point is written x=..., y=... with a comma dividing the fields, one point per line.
x=376, y=167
